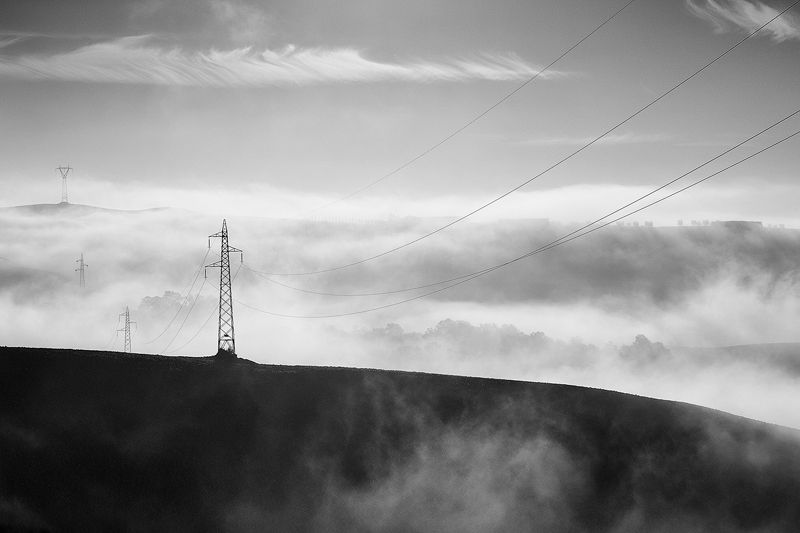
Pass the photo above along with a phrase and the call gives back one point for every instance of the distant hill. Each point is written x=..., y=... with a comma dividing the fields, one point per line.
x=93, y=441
x=67, y=208
x=783, y=355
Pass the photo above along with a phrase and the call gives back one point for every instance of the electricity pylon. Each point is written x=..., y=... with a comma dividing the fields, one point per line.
x=81, y=269
x=127, y=329
x=64, y=171
x=226, y=345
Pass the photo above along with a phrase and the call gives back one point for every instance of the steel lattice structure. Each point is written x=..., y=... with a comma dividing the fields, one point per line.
x=81, y=269
x=64, y=171
x=226, y=345
x=127, y=329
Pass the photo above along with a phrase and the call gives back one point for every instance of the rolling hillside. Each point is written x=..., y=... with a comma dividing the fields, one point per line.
x=94, y=441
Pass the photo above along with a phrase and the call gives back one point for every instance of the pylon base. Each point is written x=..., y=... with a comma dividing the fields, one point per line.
x=225, y=355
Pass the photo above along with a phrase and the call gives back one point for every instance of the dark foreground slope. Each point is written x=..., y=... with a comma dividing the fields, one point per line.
x=93, y=441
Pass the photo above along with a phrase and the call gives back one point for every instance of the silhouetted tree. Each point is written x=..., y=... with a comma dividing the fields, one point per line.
x=644, y=351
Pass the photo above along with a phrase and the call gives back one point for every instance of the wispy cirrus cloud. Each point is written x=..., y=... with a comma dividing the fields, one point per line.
x=8, y=40
x=611, y=139
x=137, y=60
x=725, y=15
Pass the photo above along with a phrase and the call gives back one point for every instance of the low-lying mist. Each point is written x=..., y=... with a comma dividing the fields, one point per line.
x=573, y=314
x=756, y=381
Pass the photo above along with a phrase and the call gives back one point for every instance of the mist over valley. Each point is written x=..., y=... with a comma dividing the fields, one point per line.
x=588, y=312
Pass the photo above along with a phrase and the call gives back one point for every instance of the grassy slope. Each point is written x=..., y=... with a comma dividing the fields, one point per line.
x=93, y=441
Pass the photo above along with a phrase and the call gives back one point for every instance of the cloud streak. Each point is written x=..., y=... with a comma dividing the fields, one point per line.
x=747, y=16
x=8, y=40
x=136, y=60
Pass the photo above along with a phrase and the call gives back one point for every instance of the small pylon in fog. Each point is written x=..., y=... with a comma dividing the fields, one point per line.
x=127, y=329
x=81, y=270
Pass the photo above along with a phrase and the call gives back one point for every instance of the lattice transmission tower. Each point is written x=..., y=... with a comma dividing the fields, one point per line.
x=127, y=329
x=81, y=269
x=64, y=171
x=226, y=345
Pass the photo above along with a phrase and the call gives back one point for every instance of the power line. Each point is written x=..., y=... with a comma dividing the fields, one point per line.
x=544, y=248
x=113, y=338
x=665, y=185
x=196, y=276
x=382, y=293
x=698, y=182
x=471, y=122
x=184, y=288
x=209, y=316
x=196, y=334
x=576, y=152
x=186, y=317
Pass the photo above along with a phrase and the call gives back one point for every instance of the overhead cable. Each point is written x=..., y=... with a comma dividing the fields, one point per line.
x=471, y=122
x=382, y=293
x=186, y=317
x=571, y=155
x=204, y=323
x=198, y=331
x=639, y=199
x=116, y=334
x=183, y=302
x=544, y=248
x=184, y=289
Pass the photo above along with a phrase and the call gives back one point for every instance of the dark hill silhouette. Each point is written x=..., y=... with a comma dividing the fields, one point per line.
x=98, y=441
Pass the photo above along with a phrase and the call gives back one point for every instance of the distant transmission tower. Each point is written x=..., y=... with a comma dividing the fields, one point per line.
x=226, y=346
x=64, y=171
x=81, y=269
x=127, y=329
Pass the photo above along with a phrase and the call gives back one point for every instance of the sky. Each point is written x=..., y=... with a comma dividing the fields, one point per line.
x=273, y=114
x=279, y=108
